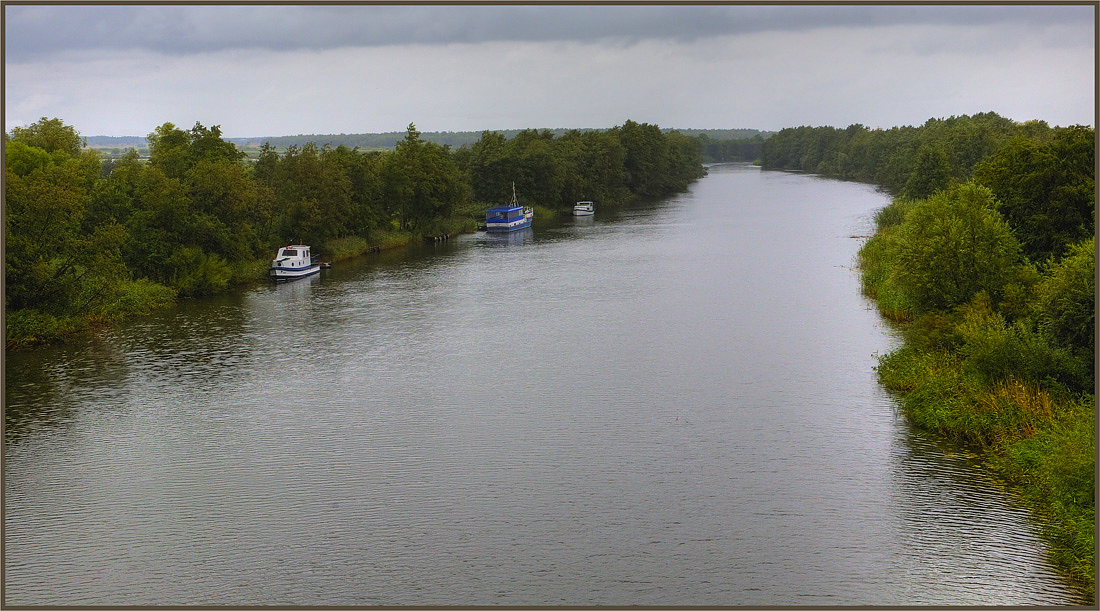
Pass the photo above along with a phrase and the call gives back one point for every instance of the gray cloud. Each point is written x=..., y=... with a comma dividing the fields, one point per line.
x=35, y=32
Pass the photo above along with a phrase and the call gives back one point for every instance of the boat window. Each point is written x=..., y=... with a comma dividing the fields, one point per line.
x=287, y=252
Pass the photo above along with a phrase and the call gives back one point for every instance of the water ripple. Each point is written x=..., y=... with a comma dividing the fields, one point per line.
x=644, y=409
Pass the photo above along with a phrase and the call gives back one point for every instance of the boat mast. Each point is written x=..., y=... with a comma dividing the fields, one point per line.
x=514, y=193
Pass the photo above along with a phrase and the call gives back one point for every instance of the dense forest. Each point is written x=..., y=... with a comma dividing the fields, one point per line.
x=986, y=259
x=90, y=240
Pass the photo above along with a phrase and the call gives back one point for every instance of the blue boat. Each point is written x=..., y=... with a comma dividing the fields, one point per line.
x=509, y=218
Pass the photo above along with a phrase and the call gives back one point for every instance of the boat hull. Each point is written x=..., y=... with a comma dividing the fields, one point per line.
x=286, y=273
x=584, y=212
x=504, y=227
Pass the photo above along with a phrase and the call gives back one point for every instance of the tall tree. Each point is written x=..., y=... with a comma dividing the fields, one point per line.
x=50, y=135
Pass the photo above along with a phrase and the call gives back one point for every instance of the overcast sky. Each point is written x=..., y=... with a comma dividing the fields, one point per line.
x=279, y=70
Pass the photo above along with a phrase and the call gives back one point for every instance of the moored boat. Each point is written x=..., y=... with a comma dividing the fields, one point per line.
x=584, y=209
x=293, y=261
x=509, y=218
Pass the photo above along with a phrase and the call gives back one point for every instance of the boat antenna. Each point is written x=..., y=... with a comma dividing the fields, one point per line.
x=514, y=193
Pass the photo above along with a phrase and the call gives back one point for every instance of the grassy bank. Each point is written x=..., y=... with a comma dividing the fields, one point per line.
x=996, y=355
x=31, y=327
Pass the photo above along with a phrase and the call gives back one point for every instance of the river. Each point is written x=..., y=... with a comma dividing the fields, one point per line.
x=669, y=404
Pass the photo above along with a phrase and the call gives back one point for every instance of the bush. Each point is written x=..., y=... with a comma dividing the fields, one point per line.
x=893, y=214
x=1056, y=469
x=996, y=351
x=139, y=297
x=30, y=327
x=197, y=273
x=244, y=272
x=879, y=283
x=345, y=248
x=1066, y=298
x=951, y=246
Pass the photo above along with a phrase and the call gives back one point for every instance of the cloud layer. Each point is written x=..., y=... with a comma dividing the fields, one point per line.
x=276, y=70
x=35, y=32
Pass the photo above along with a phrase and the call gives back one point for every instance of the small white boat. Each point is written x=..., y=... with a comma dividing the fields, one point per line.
x=584, y=209
x=293, y=262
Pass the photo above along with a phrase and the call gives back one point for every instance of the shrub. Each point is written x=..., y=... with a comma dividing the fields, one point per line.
x=139, y=297
x=30, y=326
x=197, y=273
x=878, y=280
x=996, y=351
x=951, y=246
x=1066, y=298
x=1056, y=468
x=893, y=214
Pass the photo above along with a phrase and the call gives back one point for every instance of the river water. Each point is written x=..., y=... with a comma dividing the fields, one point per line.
x=671, y=404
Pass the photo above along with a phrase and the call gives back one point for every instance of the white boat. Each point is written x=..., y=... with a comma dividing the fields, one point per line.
x=293, y=261
x=584, y=209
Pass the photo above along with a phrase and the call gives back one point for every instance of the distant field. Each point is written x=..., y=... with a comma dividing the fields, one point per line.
x=115, y=146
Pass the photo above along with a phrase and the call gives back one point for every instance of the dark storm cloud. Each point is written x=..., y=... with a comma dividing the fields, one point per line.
x=37, y=31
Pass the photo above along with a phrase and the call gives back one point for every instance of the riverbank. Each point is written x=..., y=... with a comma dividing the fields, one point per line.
x=29, y=328
x=986, y=372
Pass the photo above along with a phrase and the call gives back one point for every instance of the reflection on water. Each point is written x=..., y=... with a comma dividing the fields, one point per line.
x=672, y=404
x=506, y=238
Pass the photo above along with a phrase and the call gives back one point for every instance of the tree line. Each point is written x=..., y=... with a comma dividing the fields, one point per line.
x=986, y=260
x=91, y=240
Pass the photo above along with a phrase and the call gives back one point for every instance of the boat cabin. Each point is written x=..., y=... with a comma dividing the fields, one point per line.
x=504, y=214
x=293, y=255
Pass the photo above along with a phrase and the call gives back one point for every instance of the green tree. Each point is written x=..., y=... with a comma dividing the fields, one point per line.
x=423, y=182
x=50, y=135
x=931, y=173
x=1066, y=298
x=22, y=158
x=491, y=168
x=646, y=157
x=1046, y=190
x=951, y=246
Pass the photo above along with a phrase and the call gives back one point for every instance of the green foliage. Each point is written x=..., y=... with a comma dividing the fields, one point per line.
x=175, y=151
x=50, y=135
x=30, y=327
x=879, y=279
x=345, y=248
x=998, y=352
x=22, y=158
x=1066, y=299
x=196, y=273
x=1056, y=469
x=890, y=157
x=951, y=246
x=1046, y=188
x=995, y=351
x=893, y=214
x=741, y=147
x=610, y=167
x=91, y=241
x=135, y=297
x=931, y=173
x=422, y=183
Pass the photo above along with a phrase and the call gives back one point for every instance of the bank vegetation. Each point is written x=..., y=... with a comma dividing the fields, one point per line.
x=986, y=261
x=93, y=240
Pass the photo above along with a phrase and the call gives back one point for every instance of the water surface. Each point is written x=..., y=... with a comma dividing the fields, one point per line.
x=672, y=404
